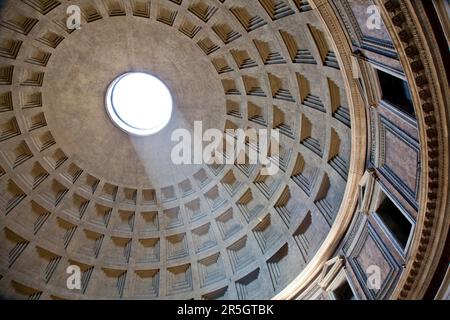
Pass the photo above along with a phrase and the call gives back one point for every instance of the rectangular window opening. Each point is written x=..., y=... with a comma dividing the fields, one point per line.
x=396, y=92
x=344, y=292
x=395, y=221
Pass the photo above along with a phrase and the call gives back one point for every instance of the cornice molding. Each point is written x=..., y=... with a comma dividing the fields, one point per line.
x=419, y=54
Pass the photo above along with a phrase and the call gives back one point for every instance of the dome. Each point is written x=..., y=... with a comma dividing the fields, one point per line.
x=93, y=95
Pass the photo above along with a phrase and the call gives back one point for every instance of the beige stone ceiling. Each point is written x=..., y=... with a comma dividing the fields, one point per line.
x=75, y=86
x=77, y=190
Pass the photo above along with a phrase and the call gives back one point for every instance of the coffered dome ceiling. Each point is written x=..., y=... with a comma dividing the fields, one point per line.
x=77, y=190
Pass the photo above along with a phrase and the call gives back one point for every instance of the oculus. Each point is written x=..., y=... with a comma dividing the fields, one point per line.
x=139, y=103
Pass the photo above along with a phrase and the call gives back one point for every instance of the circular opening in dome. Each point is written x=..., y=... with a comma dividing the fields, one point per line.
x=139, y=103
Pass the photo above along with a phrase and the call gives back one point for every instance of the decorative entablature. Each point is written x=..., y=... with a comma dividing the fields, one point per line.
x=410, y=29
x=407, y=265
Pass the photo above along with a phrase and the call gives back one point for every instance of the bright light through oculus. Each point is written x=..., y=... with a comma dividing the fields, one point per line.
x=139, y=103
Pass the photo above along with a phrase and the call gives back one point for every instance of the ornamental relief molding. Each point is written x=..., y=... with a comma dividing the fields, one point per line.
x=416, y=46
x=416, y=55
